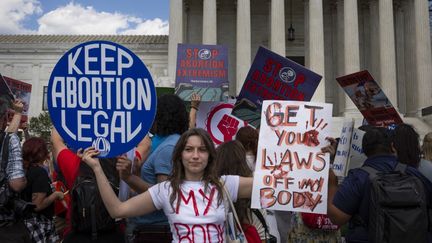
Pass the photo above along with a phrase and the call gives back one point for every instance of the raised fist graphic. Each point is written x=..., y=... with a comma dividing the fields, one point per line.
x=228, y=127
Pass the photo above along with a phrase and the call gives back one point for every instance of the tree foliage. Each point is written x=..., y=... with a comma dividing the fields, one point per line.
x=41, y=126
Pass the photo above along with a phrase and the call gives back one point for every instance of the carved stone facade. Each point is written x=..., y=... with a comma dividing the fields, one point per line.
x=31, y=58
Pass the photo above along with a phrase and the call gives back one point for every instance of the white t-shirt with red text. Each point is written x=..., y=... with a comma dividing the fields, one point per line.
x=199, y=217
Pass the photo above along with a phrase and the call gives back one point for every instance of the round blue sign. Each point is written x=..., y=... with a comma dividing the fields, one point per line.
x=101, y=94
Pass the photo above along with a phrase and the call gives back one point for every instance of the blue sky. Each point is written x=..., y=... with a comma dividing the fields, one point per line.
x=84, y=16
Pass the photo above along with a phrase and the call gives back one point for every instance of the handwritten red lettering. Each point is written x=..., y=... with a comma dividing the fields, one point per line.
x=209, y=199
x=186, y=201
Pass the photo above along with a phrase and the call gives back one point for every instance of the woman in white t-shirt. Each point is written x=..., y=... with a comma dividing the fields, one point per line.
x=191, y=198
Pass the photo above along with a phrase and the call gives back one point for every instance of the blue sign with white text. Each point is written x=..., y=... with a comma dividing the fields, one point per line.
x=101, y=94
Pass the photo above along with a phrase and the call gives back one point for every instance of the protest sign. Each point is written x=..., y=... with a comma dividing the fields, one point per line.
x=202, y=69
x=273, y=77
x=369, y=99
x=291, y=172
x=101, y=94
x=22, y=91
x=343, y=149
x=216, y=119
x=6, y=96
x=357, y=157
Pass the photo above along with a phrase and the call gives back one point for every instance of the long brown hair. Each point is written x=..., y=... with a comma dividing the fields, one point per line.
x=248, y=137
x=427, y=146
x=231, y=160
x=178, y=174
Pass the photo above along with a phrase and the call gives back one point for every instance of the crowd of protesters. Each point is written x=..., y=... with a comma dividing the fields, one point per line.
x=177, y=181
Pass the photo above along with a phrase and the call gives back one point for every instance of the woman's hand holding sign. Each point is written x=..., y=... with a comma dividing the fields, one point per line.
x=89, y=157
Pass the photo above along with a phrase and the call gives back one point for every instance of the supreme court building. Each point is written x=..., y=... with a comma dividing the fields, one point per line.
x=390, y=38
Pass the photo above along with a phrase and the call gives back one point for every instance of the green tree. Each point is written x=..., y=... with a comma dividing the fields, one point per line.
x=41, y=126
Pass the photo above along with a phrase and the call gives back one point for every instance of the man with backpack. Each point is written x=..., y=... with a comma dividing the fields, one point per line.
x=12, y=181
x=384, y=200
x=87, y=217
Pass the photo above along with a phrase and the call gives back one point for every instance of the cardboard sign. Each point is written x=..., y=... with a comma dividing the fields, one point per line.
x=6, y=96
x=357, y=157
x=202, y=69
x=369, y=99
x=343, y=149
x=22, y=91
x=291, y=172
x=273, y=77
x=216, y=119
x=101, y=94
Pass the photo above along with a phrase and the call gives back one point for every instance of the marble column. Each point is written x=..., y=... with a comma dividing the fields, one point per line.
x=351, y=47
x=374, y=40
x=277, y=27
x=316, y=46
x=175, y=36
x=340, y=69
x=400, y=56
x=243, y=42
x=387, y=51
x=410, y=59
x=423, y=67
x=209, y=22
x=365, y=37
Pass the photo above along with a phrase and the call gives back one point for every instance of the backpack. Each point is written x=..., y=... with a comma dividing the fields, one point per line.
x=397, y=207
x=269, y=237
x=89, y=214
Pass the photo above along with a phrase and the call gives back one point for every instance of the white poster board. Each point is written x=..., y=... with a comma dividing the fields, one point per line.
x=291, y=172
x=343, y=149
x=357, y=157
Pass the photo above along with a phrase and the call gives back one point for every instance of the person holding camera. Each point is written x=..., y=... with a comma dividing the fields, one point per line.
x=12, y=180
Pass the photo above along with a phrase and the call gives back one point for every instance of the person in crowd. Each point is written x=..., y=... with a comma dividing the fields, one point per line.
x=316, y=227
x=425, y=166
x=194, y=107
x=407, y=145
x=351, y=198
x=25, y=129
x=38, y=191
x=142, y=151
x=427, y=146
x=248, y=137
x=231, y=160
x=405, y=141
x=170, y=122
x=12, y=228
x=17, y=107
x=71, y=167
x=191, y=198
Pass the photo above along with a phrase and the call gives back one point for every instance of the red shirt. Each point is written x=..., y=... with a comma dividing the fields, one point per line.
x=68, y=163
